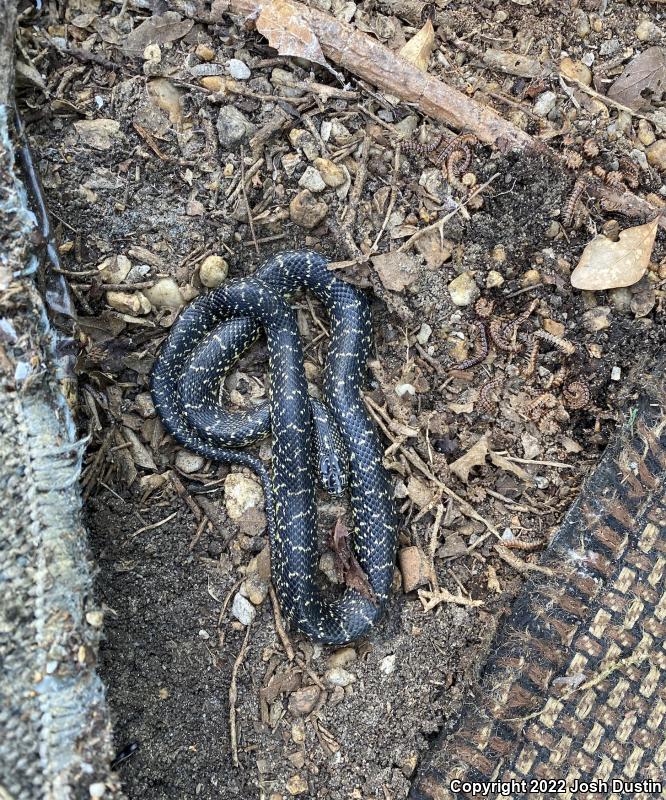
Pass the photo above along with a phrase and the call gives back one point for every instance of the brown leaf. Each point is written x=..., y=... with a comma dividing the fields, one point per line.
x=348, y=569
x=643, y=82
x=158, y=29
x=474, y=457
x=419, y=48
x=606, y=264
x=288, y=32
x=396, y=270
x=510, y=466
x=98, y=133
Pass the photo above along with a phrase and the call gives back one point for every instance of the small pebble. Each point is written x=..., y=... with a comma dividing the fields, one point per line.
x=576, y=70
x=596, y=319
x=553, y=327
x=204, y=52
x=413, y=568
x=304, y=141
x=647, y=31
x=298, y=731
x=114, y=269
x=95, y=618
x=425, y=332
x=164, y=294
x=238, y=69
x=311, y=179
x=494, y=279
x=403, y=389
x=608, y=47
x=531, y=278
x=189, y=462
x=463, y=290
x=241, y=494
x=243, y=610
x=214, y=83
x=387, y=664
x=297, y=784
x=332, y=175
x=342, y=657
x=233, y=126
x=255, y=589
x=97, y=790
x=643, y=302
x=616, y=374
x=656, y=154
x=544, y=104
x=302, y=701
x=128, y=302
x=213, y=271
x=305, y=210
x=645, y=133
x=620, y=298
x=337, y=676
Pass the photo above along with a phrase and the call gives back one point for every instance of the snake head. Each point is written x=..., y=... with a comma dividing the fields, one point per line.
x=332, y=475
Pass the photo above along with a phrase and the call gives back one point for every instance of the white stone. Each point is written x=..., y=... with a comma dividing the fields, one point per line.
x=387, y=664
x=238, y=69
x=243, y=610
x=425, y=332
x=337, y=676
x=463, y=290
x=544, y=104
x=311, y=179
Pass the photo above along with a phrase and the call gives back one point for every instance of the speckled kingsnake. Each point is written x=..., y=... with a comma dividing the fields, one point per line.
x=202, y=344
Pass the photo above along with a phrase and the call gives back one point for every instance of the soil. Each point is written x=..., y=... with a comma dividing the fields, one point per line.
x=157, y=182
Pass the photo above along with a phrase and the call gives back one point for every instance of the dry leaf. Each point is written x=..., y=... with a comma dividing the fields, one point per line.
x=643, y=82
x=396, y=270
x=609, y=265
x=414, y=568
x=418, y=492
x=513, y=63
x=474, y=457
x=167, y=97
x=98, y=133
x=347, y=567
x=159, y=29
x=509, y=466
x=493, y=581
x=419, y=48
x=461, y=408
x=288, y=32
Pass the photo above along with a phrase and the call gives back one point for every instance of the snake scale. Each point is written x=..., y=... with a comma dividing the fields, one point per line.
x=207, y=338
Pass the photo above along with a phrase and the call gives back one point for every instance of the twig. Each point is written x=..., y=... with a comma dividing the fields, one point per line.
x=518, y=564
x=406, y=245
x=154, y=525
x=434, y=538
x=279, y=625
x=416, y=461
x=247, y=202
x=233, y=696
x=394, y=193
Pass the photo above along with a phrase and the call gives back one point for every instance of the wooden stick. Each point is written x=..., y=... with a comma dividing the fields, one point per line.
x=365, y=57
x=369, y=60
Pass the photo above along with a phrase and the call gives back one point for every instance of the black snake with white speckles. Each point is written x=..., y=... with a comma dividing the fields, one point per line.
x=203, y=343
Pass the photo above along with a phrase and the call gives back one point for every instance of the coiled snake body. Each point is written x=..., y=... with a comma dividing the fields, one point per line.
x=203, y=343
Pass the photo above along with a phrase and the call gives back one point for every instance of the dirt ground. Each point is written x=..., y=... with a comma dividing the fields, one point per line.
x=150, y=158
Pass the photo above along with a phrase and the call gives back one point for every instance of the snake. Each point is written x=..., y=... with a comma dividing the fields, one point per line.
x=208, y=337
